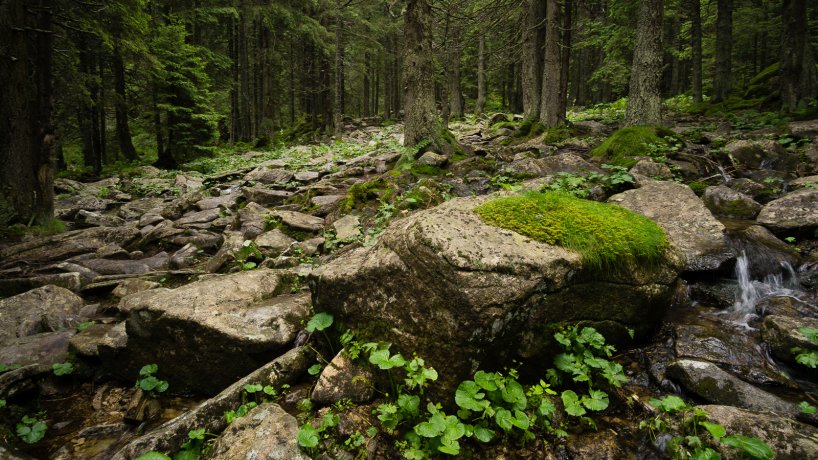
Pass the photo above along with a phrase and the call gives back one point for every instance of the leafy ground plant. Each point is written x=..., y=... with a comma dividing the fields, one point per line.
x=148, y=382
x=687, y=426
x=31, y=429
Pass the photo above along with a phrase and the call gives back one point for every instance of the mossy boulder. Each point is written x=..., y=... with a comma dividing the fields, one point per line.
x=625, y=146
x=726, y=202
x=463, y=293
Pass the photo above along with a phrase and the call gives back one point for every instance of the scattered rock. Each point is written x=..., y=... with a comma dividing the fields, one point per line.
x=253, y=219
x=266, y=433
x=343, y=379
x=85, y=343
x=793, y=211
x=46, y=348
x=132, y=286
x=274, y=242
x=307, y=176
x=184, y=257
x=782, y=334
x=649, y=168
x=433, y=159
x=46, y=309
x=265, y=196
x=726, y=202
x=300, y=221
x=268, y=176
x=347, y=228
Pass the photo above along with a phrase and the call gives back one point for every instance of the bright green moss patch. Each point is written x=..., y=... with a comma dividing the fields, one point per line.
x=360, y=194
x=606, y=236
x=625, y=145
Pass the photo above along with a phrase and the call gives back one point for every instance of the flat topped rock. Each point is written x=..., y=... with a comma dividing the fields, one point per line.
x=233, y=323
x=794, y=211
x=300, y=221
x=689, y=225
x=45, y=309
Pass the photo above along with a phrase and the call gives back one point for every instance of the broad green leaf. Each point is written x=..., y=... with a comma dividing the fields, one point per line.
x=308, y=436
x=315, y=369
x=715, y=430
x=451, y=447
x=521, y=420
x=319, y=322
x=483, y=434
x=253, y=387
x=148, y=383
x=546, y=408
x=669, y=403
x=409, y=404
x=148, y=369
x=33, y=433
x=469, y=397
x=504, y=419
x=596, y=400
x=196, y=434
x=188, y=454
x=60, y=369
x=514, y=394
x=805, y=407
x=571, y=402
x=153, y=455
x=487, y=380
x=753, y=447
x=432, y=428
x=705, y=454
x=455, y=429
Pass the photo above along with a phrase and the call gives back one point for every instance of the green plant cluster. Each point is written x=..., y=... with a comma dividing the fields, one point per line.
x=687, y=424
x=148, y=381
x=808, y=358
x=252, y=395
x=624, y=146
x=249, y=255
x=606, y=236
x=608, y=113
x=490, y=404
x=198, y=444
x=580, y=186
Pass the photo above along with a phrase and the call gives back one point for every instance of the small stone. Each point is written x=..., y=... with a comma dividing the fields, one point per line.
x=132, y=286
x=433, y=159
x=343, y=379
x=300, y=221
x=347, y=228
x=307, y=176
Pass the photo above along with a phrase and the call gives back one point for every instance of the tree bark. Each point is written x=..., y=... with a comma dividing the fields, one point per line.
x=421, y=122
x=724, y=50
x=481, y=76
x=456, y=93
x=694, y=7
x=550, y=115
x=565, y=54
x=123, y=130
x=365, y=104
x=27, y=139
x=533, y=39
x=793, y=41
x=338, y=109
x=644, y=97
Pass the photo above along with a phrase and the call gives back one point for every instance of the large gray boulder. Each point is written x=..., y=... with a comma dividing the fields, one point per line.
x=783, y=333
x=689, y=225
x=460, y=292
x=794, y=211
x=45, y=309
x=207, y=334
x=726, y=202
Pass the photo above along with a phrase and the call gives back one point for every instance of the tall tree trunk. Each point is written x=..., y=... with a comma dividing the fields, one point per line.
x=103, y=119
x=232, y=52
x=365, y=104
x=27, y=136
x=550, y=115
x=338, y=109
x=644, y=97
x=694, y=7
x=724, y=50
x=123, y=130
x=481, y=76
x=455, y=90
x=533, y=39
x=421, y=122
x=793, y=41
x=565, y=54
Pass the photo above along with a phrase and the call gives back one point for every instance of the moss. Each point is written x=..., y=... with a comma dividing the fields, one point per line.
x=698, y=187
x=359, y=194
x=626, y=144
x=607, y=236
x=557, y=135
x=418, y=169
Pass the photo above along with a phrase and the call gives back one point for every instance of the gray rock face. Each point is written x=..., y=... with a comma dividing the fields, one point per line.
x=253, y=220
x=808, y=128
x=233, y=323
x=749, y=154
x=273, y=243
x=566, y=162
x=179, y=206
x=726, y=202
x=719, y=387
x=689, y=225
x=795, y=211
x=457, y=291
x=266, y=433
x=265, y=196
x=46, y=348
x=267, y=175
x=433, y=159
x=788, y=438
x=300, y=221
x=343, y=379
x=347, y=228
x=649, y=168
x=45, y=309
x=159, y=261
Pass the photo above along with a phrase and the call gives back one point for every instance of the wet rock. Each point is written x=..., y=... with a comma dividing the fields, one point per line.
x=593, y=128
x=13, y=286
x=158, y=262
x=788, y=438
x=94, y=219
x=599, y=446
x=749, y=154
x=198, y=217
x=307, y=176
x=265, y=196
x=689, y=225
x=266, y=433
x=726, y=202
x=720, y=294
x=46, y=348
x=649, y=168
x=232, y=322
x=132, y=286
x=233, y=242
x=300, y=221
x=46, y=309
x=184, y=257
x=477, y=288
x=566, y=162
x=783, y=333
x=347, y=228
x=210, y=414
x=794, y=211
x=267, y=175
x=97, y=442
x=786, y=306
x=433, y=159
x=343, y=379
x=85, y=343
x=716, y=386
x=747, y=186
x=179, y=206
x=274, y=242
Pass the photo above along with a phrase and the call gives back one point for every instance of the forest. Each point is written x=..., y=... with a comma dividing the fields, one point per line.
x=417, y=229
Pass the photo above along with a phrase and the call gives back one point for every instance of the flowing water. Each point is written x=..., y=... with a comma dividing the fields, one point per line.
x=781, y=283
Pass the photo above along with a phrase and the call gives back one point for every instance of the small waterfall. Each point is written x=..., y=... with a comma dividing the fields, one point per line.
x=726, y=177
x=783, y=282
